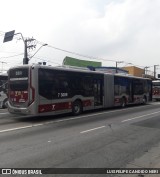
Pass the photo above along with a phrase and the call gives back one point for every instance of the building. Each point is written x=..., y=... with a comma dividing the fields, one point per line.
x=139, y=72
x=80, y=63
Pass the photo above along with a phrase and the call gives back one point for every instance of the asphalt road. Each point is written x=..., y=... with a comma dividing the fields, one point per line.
x=106, y=138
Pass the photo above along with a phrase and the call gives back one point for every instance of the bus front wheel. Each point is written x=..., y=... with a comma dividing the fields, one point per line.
x=77, y=107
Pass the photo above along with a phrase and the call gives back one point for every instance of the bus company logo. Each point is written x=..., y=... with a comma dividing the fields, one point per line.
x=53, y=106
x=6, y=171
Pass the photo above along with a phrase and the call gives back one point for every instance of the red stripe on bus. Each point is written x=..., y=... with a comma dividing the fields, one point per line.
x=54, y=107
x=87, y=103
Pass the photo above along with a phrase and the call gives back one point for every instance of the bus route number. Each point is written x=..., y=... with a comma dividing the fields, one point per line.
x=60, y=95
x=18, y=73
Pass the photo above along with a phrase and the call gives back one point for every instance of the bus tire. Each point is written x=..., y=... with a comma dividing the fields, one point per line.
x=144, y=100
x=5, y=103
x=77, y=107
x=123, y=102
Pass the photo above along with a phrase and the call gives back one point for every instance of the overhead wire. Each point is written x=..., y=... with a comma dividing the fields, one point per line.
x=75, y=53
x=87, y=56
x=71, y=52
x=12, y=56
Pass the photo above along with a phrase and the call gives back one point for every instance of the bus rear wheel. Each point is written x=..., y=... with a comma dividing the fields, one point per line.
x=144, y=100
x=4, y=105
x=123, y=102
x=77, y=107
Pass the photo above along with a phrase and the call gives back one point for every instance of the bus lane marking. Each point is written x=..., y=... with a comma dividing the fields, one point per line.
x=89, y=130
x=140, y=116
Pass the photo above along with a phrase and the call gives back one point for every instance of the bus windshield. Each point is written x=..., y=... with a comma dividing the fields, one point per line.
x=19, y=79
x=156, y=83
x=20, y=85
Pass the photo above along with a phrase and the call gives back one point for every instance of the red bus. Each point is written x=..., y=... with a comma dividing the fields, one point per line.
x=156, y=90
x=46, y=90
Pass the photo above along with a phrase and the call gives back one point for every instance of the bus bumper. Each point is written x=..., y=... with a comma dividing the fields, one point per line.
x=15, y=110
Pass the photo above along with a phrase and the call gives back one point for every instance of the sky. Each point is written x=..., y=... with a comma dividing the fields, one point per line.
x=102, y=30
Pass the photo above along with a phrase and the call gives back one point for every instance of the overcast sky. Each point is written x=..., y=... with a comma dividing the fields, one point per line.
x=118, y=30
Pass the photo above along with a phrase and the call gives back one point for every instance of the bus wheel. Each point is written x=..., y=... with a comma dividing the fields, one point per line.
x=77, y=107
x=144, y=100
x=5, y=103
x=123, y=102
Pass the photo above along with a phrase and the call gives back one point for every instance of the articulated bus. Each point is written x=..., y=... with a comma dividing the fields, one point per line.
x=45, y=90
x=156, y=90
x=3, y=90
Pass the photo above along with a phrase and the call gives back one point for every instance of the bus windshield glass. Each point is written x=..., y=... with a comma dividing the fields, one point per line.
x=156, y=83
x=19, y=79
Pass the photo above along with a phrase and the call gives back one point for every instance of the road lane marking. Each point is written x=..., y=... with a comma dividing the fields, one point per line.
x=69, y=119
x=19, y=128
x=140, y=116
x=4, y=113
x=96, y=114
x=92, y=129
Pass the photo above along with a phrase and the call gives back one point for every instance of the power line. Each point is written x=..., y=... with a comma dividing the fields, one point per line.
x=12, y=56
x=40, y=58
x=87, y=56
x=78, y=54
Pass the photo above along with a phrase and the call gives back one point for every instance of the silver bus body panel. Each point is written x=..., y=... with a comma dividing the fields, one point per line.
x=108, y=96
x=108, y=90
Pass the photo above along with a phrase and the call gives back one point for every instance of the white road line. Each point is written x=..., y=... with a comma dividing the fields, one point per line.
x=19, y=128
x=96, y=114
x=92, y=129
x=69, y=119
x=4, y=113
x=140, y=116
x=154, y=103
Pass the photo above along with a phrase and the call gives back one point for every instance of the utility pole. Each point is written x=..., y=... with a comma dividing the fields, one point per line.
x=28, y=44
x=155, y=71
x=117, y=65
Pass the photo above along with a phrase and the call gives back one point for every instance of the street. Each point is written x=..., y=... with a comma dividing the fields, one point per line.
x=109, y=138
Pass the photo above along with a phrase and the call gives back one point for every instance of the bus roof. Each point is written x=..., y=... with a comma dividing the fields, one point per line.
x=78, y=69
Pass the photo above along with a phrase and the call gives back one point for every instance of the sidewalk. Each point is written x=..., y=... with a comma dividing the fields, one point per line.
x=150, y=159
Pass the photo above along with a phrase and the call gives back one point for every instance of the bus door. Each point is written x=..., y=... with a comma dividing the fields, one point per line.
x=98, y=94
x=131, y=94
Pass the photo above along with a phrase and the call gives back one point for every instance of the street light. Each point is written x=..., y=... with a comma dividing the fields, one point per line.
x=9, y=36
x=37, y=51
